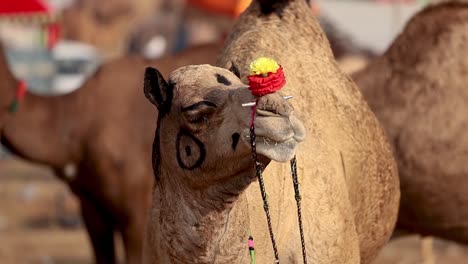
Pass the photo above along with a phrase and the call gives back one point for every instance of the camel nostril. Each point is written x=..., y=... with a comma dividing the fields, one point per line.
x=274, y=104
x=235, y=140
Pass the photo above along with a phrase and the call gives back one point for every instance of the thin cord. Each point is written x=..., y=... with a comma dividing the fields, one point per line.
x=258, y=168
x=251, y=248
x=297, y=195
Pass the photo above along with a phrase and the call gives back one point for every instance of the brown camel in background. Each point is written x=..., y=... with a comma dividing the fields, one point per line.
x=118, y=27
x=419, y=91
x=106, y=24
x=104, y=131
x=205, y=204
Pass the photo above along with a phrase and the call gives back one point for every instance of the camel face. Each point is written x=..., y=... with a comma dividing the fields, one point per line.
x=202, y=122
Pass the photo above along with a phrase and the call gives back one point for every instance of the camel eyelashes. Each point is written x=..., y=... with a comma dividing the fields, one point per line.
x=198, y=119
x=200, y=116
x=198, y=105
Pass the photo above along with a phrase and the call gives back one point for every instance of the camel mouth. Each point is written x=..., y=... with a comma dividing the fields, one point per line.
x=276, y=137
x=280, y=151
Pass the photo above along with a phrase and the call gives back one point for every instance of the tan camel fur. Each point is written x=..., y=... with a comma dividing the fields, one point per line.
x=352, y=184
x=347, y=172
x=418, y=90
x=104, y=131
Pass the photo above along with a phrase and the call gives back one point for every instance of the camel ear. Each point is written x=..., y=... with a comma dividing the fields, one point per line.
x=157, y=90
x=234, y=69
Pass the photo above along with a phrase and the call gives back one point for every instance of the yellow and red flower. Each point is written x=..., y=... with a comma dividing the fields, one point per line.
x=266, y=76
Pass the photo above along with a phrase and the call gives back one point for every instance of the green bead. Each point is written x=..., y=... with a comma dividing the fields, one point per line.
x=14, y=106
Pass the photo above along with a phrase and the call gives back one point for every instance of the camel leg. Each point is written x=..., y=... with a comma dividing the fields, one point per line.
x=133, y=227
x=101, y=232
x=132, y=236
x=427, y=253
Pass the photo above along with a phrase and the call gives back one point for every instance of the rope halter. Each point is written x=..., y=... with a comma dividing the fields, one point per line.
x=267, y=77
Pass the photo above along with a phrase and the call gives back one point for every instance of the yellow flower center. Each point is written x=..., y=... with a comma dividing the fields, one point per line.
x=263, y=65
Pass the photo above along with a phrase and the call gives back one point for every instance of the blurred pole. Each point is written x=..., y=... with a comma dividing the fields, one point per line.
x=396, y=17
x=427, y=250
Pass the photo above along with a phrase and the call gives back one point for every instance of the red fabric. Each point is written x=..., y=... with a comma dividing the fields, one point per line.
x=21, y=90
x=12, y=7
x=260, y=85
x=53, y=35
x=252, y=117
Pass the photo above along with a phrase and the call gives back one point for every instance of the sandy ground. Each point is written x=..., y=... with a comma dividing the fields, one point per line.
x=40, y=224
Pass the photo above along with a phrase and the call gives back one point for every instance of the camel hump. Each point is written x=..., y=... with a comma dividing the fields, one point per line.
x=433, y=35
x=435, y=8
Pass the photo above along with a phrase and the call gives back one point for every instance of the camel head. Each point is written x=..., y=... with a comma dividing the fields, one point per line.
x=203, y=125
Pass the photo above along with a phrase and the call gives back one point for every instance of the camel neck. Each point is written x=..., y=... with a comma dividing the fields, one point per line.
x=8, y=83
x=205, y=225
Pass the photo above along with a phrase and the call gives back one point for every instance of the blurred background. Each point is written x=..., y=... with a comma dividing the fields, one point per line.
x=55, y=45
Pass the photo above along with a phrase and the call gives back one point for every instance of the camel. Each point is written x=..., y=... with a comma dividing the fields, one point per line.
x=97, y=140
x=203, y=131
x=348, y=176
x=106, y=24
x=417, y=89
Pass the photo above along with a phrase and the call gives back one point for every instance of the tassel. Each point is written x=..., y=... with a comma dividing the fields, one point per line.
x=53, y=31
x=14, y=106
x=251, y=250
x=20, y=93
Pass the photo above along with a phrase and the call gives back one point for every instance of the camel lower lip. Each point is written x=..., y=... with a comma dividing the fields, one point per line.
x=281, y=151
x=262, y=141
x=278, y=151
x=267, y=142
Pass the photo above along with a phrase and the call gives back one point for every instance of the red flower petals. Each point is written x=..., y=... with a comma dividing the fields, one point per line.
x=260, y=85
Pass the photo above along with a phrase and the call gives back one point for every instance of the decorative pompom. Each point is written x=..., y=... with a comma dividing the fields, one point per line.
x=20, y=93
x=263, y=65
x=266, y=77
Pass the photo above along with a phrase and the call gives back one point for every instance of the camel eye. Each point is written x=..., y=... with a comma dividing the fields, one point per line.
x=199, y=114
x=198, y=119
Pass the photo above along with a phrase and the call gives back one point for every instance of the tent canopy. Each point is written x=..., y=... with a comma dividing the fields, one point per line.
x=23, y=7
x=35, y=11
